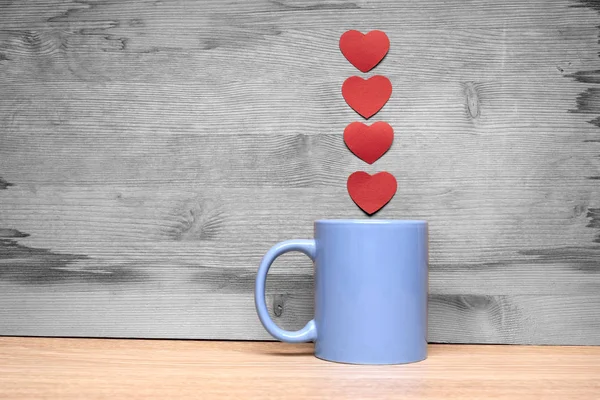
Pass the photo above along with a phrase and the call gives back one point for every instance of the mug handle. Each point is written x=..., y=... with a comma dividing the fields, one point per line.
x=309, y=332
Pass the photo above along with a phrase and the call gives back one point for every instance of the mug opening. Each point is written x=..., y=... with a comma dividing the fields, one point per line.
x=371, y=221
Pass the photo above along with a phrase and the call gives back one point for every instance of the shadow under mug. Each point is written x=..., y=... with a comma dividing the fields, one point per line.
x=371, y=284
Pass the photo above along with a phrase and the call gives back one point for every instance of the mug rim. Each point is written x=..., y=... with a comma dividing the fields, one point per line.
x=365, y=221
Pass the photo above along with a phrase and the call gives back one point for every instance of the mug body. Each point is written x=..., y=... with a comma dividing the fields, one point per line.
x=371, y=284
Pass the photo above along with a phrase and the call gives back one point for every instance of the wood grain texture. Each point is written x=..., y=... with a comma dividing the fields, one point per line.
x=151, y=152
x=132, y=369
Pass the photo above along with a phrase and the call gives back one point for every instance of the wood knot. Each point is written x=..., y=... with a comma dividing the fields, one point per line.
x=5, y=184
x=136, y=22
x=579, y=210
x=472, y=100
x=278, y=303
x=32, y=38
x=476, y=302
x=198, y=219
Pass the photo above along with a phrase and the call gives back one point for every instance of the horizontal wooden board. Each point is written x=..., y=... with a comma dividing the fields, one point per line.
x=155, y=311
x=99, y=220
x=217, y=15
x=114, y=51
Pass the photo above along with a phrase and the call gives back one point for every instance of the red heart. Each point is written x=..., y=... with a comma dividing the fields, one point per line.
x=369, y=143
x=371, y=193
x=366, y=97
x=364, y=51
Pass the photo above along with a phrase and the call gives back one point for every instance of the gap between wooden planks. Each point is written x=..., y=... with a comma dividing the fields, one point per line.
x=45, y=368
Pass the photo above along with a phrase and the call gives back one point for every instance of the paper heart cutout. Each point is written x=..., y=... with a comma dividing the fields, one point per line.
x=371, y=192
x=369, y=143
x=364, y=51
x=367, y=97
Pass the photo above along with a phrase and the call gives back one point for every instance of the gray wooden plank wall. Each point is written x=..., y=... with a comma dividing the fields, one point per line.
x=152, y=151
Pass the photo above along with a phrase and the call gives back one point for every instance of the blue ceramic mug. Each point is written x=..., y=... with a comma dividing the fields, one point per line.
x=371, y=281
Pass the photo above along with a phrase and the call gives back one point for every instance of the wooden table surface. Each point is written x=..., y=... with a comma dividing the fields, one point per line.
x=163, y=369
